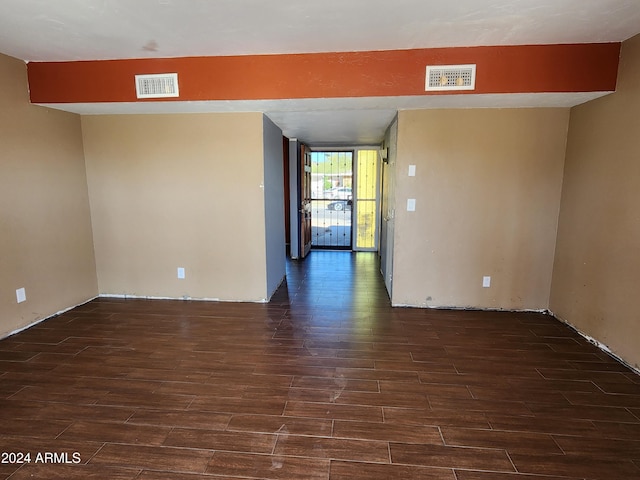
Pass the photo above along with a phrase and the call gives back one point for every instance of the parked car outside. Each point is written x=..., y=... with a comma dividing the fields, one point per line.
x=342, y=193
x=340, y=205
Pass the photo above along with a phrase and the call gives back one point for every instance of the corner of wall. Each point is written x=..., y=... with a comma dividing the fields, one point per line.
x=274, y=227
x=48, y=245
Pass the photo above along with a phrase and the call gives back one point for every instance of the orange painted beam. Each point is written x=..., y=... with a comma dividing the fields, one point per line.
x=500, y=69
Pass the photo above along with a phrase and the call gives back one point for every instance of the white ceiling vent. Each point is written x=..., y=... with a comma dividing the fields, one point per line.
x=161, y=85
x=450, y=77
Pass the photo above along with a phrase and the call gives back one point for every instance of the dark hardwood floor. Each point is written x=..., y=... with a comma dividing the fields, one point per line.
x=325, y=382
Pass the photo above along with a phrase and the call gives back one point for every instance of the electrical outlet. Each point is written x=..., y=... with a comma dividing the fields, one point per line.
x=21, y=295
x=411, y=205
x=412, y=170
x=180, y=272
x=486, y=282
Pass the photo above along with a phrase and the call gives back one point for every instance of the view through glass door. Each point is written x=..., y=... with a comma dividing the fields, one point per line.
x=331, y=199
x=345, y=208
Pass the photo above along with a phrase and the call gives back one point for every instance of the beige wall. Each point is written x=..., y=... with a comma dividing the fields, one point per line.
x=45, y=228
x=596, y=277
x=487, y=189
x=171, y=191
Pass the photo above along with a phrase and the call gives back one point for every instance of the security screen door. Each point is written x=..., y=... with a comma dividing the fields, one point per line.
x=344, y=199
x=331, y=199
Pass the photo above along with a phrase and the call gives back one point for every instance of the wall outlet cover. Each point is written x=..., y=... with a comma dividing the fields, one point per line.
x=180, y=272
x=486, y=282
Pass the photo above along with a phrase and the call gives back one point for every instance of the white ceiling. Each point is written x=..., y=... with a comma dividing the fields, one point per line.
x=58, y=30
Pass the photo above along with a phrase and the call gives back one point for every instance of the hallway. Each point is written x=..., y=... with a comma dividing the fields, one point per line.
x=327, y=381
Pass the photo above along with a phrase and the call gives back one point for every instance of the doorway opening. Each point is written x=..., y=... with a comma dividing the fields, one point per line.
x=331, y=200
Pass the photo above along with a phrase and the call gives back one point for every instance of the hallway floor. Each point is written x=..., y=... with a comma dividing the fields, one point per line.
x=325, y=382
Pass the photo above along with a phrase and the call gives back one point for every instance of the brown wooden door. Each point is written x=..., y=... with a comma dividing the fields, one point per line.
x=305, y=201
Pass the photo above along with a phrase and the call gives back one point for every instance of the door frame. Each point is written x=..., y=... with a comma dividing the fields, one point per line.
x=388, y=206
x=296, y=154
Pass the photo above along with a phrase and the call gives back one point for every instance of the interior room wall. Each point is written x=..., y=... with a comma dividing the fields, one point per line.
x=171, y=191
x=274, y=206
x=45, y=227
x=597, y=265
x=487, y=189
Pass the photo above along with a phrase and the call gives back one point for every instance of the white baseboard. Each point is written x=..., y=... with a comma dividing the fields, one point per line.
x=473, y=309
x=596, y=342
x=184, y=298
x=36, y=322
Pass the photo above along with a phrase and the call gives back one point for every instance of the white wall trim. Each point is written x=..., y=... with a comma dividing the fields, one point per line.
x=473, y=309
x=184, y=298
x=597, y=343
x=35, y=322
x=544, y=311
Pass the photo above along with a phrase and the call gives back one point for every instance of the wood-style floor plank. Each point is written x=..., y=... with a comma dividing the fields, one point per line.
x=370, y=471
x=325, y=382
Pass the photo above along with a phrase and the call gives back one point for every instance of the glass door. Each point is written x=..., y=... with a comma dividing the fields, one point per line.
x=331, y=199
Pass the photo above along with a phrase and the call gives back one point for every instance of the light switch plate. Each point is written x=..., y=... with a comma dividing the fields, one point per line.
x=412, y=170
x=411, y=205
x=21, y=295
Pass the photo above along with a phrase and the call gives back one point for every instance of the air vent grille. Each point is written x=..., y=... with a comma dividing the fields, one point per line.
x=451, y=77
x=157, y=86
